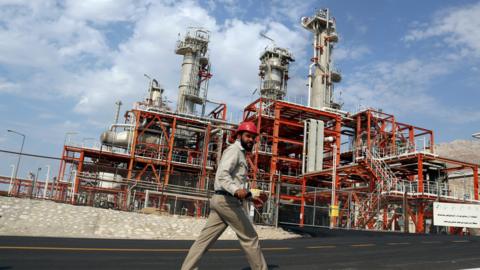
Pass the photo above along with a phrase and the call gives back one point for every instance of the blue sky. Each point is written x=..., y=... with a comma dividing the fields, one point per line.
x=63, y=64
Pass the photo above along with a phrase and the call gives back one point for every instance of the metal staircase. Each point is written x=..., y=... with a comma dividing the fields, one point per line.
x=386, y=181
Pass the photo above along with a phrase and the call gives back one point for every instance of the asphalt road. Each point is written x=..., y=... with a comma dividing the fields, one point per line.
x=328, y=251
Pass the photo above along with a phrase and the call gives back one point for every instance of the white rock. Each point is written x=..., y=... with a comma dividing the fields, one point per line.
x=46, y=218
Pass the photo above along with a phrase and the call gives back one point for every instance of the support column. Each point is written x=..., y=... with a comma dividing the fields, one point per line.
x=77, y=178
x=338, y=143
x=170, y=151
x=420, y=174
x=205, y=157
x=302, y=202
x=475, y=182
x=432, y=143
x=411, y=138
x=420, y=227
x=368, y=131
x=258, y=140
x=134, y=145
x=385, y=217
x=394, y=134
x=276, y=131
x=358, y=132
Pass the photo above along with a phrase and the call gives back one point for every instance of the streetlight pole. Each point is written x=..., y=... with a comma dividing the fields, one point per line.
x=19, y=155
x=46, y=182
x=11, y=180
x=34, y=182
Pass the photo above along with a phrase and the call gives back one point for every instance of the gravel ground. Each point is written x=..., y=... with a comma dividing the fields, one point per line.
x=25, y=217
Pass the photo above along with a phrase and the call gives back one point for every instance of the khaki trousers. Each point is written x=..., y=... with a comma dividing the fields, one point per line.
x=227, y=211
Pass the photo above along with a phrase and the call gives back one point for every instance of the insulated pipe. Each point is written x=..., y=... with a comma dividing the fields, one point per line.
x=319, y=145
x=147, y=195
x=73, y=185
x=304, y=145
x=312, y=145
x=310, y=70
x=310, y=83
x=120, y=125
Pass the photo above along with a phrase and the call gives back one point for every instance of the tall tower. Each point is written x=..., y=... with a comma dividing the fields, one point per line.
x=193, y=86
x=274, y=72
x=321, y=74
x=155, y=99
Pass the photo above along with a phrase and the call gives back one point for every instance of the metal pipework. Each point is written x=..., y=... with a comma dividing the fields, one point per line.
x=122, y=139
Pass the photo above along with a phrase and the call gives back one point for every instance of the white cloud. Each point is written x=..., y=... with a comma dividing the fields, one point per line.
x=292, y=10
x=350, y=52
x=233, y=7
x=235, y=53
x=398, y=86
x=404, y=88
x=458, y=28
x=100, y=11
x=7, y=87
x=455, y=34
x=64, y=48
x=357, y=23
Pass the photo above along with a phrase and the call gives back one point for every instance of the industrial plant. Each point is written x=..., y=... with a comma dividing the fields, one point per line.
x=320, y=165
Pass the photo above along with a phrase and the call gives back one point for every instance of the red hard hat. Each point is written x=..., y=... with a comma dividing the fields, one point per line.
x=247, y=126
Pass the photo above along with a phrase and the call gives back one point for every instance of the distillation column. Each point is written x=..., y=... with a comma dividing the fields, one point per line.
x=321, y=77
x=274, y=72
x=321, y=74
x=195, y=70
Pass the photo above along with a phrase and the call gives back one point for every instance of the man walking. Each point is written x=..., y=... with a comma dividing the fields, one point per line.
x=226, y=205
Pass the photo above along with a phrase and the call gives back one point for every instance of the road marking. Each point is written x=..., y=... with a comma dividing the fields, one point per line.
x=132, y=249
x=277, y=248
x=98, y=249
x=402, y=243
x=460, y=241
x=315, y=247
x=431, y=242
x=363, y=245
x=116, y=249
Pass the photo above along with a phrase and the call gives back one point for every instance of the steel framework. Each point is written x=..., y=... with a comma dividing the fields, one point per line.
x=381, y=167
x=181, y=160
